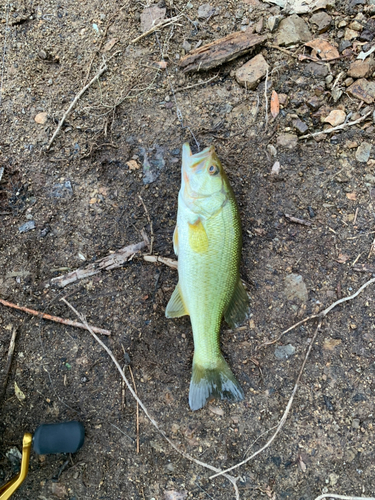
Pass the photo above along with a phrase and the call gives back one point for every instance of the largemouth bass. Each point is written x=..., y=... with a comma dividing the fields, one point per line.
x=207, y=240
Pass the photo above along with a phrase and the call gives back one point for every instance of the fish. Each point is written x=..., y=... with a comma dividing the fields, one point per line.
x=207, y=240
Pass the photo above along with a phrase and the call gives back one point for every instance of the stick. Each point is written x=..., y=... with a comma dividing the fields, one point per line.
x=135, y=390
x=56, y=319
x=266, y=98
x=9, y=361
x=285, y=414
x=282, y=50
x=197, y=84
x=102, y=69
x=162, y=24
x=168, y=262
x=150, y=222
x=232, y=479
x=338, y=127
x=111, y=261
x=298, y=221
x=321, y=316
x=342, y=497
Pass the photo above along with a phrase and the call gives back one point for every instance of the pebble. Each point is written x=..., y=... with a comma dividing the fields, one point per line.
x=252, y=72
x=295, y=288
x=293, y=30
x=41, y=118
x=317, y=70
x=287, y=140
x=62, y=190
x=363, y=90
x=28, y=226
x=350, y=34
x=300, y=126
x=284, y=351
x=322, y=20
x=344, y=44
x=356, y=424
x=152, y=16
x=361, y=69
x=205, y=10
x=363, y=152
x=336, y=117
x=186, y=46
x=273, y=22
x=272, y=150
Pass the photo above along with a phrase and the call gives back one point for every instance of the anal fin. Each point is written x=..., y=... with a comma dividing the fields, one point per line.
x=176, y=307
x=239, y=308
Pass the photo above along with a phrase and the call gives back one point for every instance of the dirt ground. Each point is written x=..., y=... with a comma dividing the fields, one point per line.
x=81, y=200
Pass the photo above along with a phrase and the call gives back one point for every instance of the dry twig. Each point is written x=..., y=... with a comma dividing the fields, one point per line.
x=338, y=127
x=135, y=390
x=342, y=497
x=150, y=222
x=164, y=260
x=320, y=316
x=266, y=98
x=162, y=24
x=9, y=361
x=56, y=319
x=102, y=69
x=232, y=479
x=298, y=221
x=111, y=261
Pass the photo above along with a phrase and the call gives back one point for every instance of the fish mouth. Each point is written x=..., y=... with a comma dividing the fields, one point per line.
x=192, y=161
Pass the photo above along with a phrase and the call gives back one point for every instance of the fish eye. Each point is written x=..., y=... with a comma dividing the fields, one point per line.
x=213, y=170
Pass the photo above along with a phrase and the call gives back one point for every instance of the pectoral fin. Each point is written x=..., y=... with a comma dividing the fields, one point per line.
x=176, y=307
x=238, y=309
x=198, y=239
x=175, y=240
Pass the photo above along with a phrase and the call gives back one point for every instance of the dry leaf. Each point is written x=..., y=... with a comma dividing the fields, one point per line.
x=107, y=47
x=342, y=258
x=20, y=395
x=330, y=344
x=41, y=118
x=325, y=50
x=351, y=196
x=275, y=105
x=133, y=165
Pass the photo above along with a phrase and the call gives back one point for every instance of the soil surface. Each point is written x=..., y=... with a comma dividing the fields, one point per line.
x=80, y=201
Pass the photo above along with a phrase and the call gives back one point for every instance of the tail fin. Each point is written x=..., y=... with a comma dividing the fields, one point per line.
x=218, y=382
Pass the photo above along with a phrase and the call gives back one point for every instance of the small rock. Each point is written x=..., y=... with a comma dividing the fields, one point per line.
x=284, y=351
x=317, y=70
x=336, y=93
x=272, y=150
x=273, y=22
x=186, y=46
x=295, y=288
x=206, y=10
x=259, y=25
x=41, y=118
x=252, y=72
x=283, y=100
x=152, y=16
x=293, y=30
x=287, y=140
x=59, y=490
x=300, y=126
x=356, y=26
x=63, y=190
x=175, y=495
x=361, y=69
x=314, y=103
x=275, y=168
x=350, y=34
x=344, y=44
x=28, y=226
x=363, y=90
x=336, y=117
x=363, y=152
x=322, y=20
x=348, y=81
x=356, y=424
x=333, y=478
x=351, y=144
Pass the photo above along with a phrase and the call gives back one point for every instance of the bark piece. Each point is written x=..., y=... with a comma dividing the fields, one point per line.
x=251, y=73
x=220, y=51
